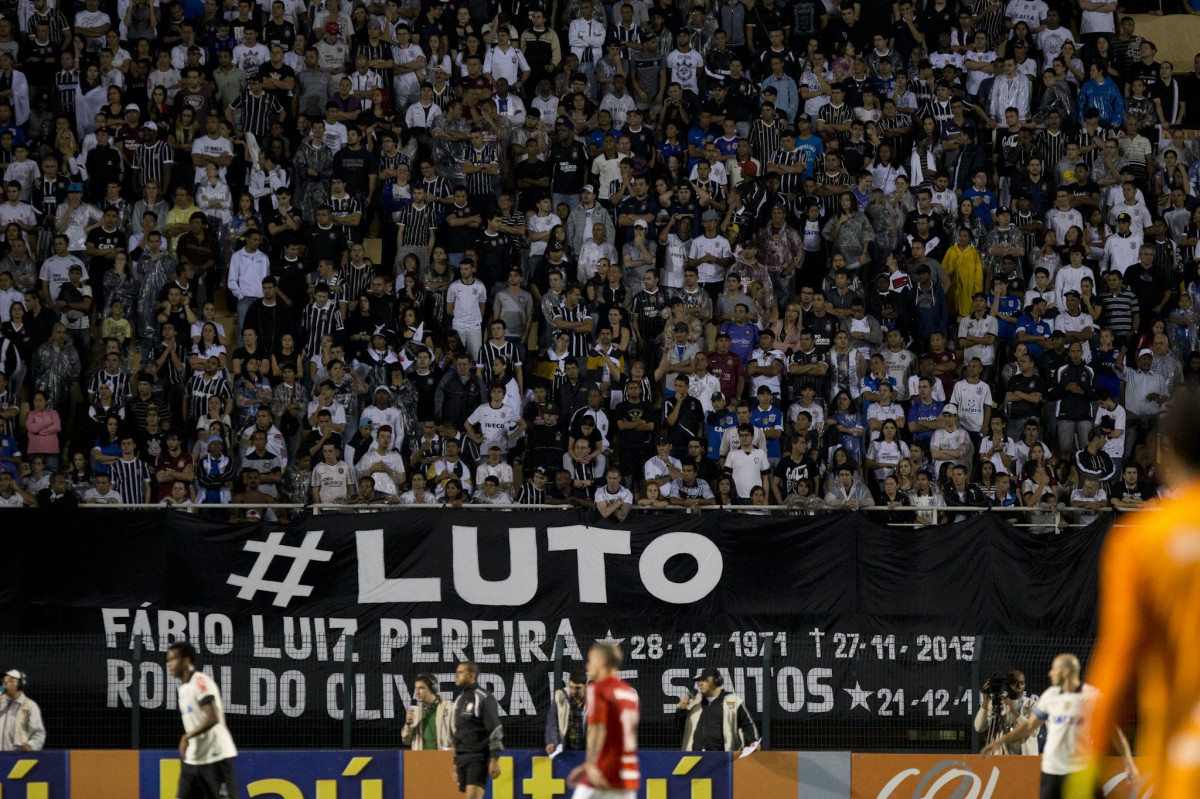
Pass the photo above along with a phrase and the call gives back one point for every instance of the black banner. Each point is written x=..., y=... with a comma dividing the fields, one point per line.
x=873, y=628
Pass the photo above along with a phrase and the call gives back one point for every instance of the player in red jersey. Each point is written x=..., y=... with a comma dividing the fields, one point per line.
x=611, y=768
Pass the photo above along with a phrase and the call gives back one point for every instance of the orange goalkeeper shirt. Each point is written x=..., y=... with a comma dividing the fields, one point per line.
x=1149, y=639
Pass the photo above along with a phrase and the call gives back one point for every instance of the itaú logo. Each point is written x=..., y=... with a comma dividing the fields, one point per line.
x=949, y=779
x=17, y=774
x=279, y=788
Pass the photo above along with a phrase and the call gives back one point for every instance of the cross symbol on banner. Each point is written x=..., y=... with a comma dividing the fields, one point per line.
x=290, y=586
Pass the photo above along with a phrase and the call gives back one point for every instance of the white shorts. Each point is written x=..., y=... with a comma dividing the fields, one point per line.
x=588, y=792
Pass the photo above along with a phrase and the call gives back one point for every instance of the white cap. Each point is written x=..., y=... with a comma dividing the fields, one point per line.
x=950, y=408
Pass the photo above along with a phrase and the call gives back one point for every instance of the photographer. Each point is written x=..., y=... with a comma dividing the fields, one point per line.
x=1004, y=706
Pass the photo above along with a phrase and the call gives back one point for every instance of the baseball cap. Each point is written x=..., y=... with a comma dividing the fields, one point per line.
x=708, y=674
x=332, y=27
x=133, y=107
x=804, y=118
x=75, y=187
x=74, y=268
x=588, y=188
x=717, y=395
x=550, y=408
x=640, y=223
x=366, y=422
x=1004, y=209
x=215, y=440
x=149, y=126
x=541, y=470
x=1145, y=351
x=381, y=387
x=950, y=408
x=1124, y=218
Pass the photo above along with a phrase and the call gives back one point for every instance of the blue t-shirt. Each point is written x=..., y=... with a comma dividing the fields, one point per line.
x=716, y=432
x=985, y=209
x=9, y=449
x=742, y=339
x=666, y=149
x=813, y=149
x=1040, y=329
x=698, y=138
x=1010, y=305
x=596, y=137
x=769, y=419
x=919, y=412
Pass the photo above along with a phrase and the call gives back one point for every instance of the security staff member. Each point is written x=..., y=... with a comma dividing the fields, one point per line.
x=478, y=736
x=21, y=728
x=716, y=720
x=566, y=723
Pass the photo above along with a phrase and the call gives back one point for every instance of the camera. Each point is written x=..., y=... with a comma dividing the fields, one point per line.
x=996, y=688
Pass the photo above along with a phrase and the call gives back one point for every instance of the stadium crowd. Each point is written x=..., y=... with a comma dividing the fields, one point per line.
x=759, y=252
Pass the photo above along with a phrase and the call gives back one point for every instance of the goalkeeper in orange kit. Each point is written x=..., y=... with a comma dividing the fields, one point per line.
x=1149, y=641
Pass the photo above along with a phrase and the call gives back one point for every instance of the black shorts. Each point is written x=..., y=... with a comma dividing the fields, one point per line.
x=1052, y=787
x=211, y=781
x=472, y=772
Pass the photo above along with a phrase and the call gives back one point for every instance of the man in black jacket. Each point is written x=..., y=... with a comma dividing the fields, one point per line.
x=1075, y=389
x=478, y=735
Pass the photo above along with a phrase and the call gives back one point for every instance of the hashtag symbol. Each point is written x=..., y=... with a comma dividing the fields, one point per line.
x=290, y=587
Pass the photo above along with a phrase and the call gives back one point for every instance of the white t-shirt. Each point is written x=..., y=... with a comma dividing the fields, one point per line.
x=211, y=147
x=747, y=469
x=333, y=481
x=466, y=299
x=495, y=424
x=622, y=494
x=971, y=326
x=94, y=497
x=717, y=246
x=1075, y=324
x=1115, y=447
x=971, y=399
x=216, y=744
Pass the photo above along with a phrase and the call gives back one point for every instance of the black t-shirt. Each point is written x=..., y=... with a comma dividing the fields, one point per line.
x=325, y=244
x=102, y=239
x=629, y=411
x=790, y=473
x=568, y=168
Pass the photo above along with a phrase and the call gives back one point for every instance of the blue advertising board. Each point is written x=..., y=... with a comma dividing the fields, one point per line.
x=35, y=775
x=665, y=775
x=290, y=774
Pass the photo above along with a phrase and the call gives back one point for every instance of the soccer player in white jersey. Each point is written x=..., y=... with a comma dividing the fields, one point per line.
x=206, y=747
x=1066, y=710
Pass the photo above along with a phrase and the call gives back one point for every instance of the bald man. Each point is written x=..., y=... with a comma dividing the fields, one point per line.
x=1065, y=708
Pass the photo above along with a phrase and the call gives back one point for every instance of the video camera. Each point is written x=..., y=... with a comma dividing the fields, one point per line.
x=996, y=688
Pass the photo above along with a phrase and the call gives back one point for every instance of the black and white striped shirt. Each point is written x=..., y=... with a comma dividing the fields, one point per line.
x=199, y=389
x=149, y=159
x=580, y=342
x=824, y=178
x=1085, y=139
x=257, y=112
x=66, y=81
x=437, y=189
x=54, y=19
x=357, y=280
x=417, y=224
x=481, y=182
x=490, y=352
x=1053, y=147
x=764, y=139
x=316, y=322
x=376, y=53
x=344, y=206
x=129, y=479
x=528, y=494
x=836, y=116
x=790, y=182
x=119, y=383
